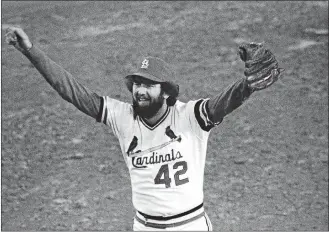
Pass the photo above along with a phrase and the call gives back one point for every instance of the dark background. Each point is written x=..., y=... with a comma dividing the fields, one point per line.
x=267, y=163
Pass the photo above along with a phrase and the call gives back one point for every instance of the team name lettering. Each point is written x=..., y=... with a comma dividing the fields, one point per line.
x=155, y=158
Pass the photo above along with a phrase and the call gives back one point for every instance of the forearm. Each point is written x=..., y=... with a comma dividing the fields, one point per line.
x=64, y=83
x=228, y=100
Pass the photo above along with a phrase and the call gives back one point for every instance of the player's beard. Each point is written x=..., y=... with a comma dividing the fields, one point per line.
x=151, y=109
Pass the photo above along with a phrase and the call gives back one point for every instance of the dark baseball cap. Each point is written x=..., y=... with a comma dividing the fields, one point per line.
x=157, y=70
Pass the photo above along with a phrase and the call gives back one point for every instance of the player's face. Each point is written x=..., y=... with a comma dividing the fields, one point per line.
x=147, y=97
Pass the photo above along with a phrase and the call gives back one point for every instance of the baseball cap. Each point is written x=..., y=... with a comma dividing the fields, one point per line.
x=157, y=70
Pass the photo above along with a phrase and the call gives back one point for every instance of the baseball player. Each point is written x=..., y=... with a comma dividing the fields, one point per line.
x=163, y=140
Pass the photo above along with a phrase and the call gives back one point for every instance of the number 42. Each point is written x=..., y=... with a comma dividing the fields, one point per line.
x=166, y=180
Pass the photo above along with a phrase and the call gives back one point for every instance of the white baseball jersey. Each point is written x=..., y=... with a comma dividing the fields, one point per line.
x=166, y=165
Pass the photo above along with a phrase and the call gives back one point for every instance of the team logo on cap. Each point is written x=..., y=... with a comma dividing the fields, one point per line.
x=145, y=63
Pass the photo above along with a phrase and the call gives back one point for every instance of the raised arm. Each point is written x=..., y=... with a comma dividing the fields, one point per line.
x=61, y=80
x=261, y=71
x=228, y=100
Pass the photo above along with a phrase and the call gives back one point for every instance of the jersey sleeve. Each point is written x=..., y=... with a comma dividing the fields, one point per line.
x=228, y=100
x=116, y=114
x=64, y=83
x=198, y=117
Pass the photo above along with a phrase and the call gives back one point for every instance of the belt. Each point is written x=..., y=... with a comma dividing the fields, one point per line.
x=171, y=221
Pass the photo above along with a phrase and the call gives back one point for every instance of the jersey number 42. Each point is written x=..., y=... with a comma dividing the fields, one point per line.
x=163, y=175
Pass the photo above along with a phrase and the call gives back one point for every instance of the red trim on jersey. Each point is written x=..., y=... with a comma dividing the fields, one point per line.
x=161, y=218
x=171, y=225
x=100, y=113
x=201, y=114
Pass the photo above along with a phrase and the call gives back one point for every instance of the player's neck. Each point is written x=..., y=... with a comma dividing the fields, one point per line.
x=154, y=119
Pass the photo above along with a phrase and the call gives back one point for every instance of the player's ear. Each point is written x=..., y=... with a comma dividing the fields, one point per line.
x=165, y=95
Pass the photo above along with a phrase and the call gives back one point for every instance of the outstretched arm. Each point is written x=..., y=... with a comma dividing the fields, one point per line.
x=261, y=71
x=61, y=80
x=228, y=100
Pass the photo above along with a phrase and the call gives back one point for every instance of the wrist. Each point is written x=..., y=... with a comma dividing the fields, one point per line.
x=247, y=86
x=27, y=50
x=29, y=47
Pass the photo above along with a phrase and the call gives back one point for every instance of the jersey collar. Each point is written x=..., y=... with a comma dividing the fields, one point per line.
x=152, y=127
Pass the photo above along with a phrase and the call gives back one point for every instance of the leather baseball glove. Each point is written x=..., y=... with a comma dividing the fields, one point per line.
x=261, y=67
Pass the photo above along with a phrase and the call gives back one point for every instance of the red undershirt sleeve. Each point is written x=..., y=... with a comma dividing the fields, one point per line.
x=64, y=83
x=228, y=100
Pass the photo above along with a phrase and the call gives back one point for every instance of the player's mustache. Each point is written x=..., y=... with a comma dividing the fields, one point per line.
x=142, y=96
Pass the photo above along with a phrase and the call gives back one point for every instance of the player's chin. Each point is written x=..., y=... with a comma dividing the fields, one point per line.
x=144, y=111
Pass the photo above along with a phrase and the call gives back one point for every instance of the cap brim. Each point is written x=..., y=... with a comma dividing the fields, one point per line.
x=145, y=75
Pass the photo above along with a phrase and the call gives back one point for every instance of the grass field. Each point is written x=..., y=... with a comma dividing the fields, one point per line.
x=267, y=163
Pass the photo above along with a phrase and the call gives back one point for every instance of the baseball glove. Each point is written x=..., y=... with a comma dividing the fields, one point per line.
x=261, y=67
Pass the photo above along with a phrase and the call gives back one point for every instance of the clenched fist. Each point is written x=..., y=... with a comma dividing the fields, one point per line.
x=18, y=38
